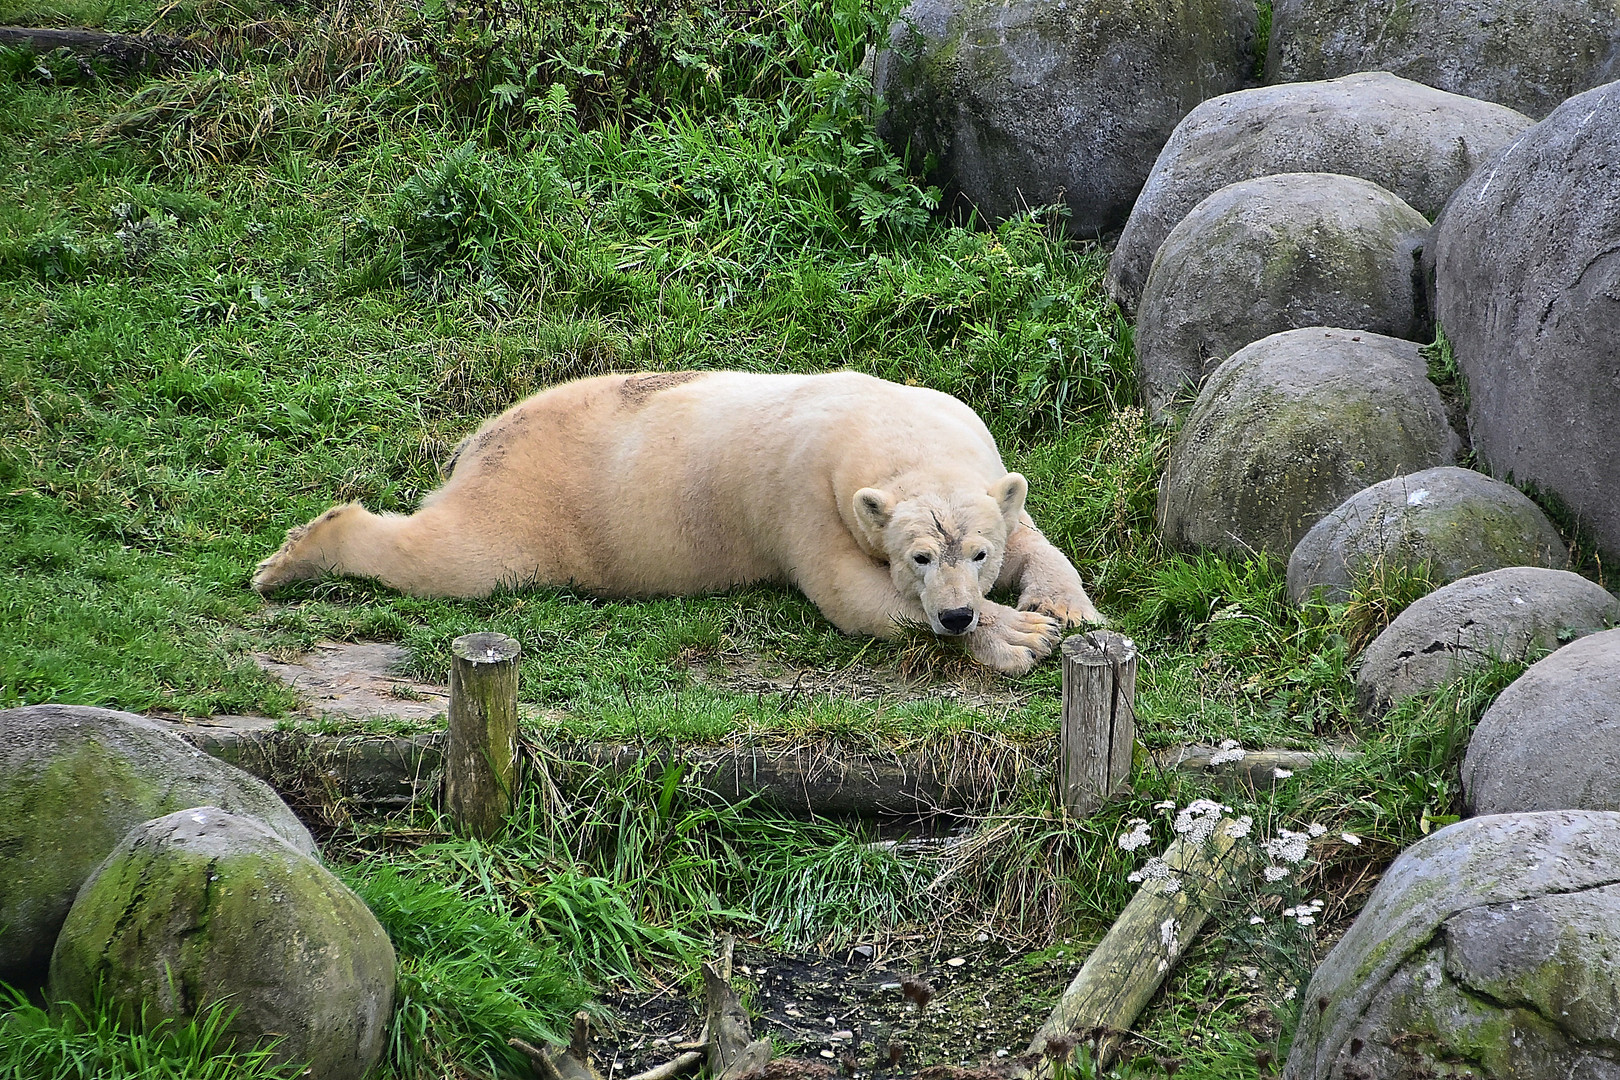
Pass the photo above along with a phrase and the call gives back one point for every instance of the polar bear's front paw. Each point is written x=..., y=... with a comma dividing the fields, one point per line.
x=1069, y=609
x=1012, y=641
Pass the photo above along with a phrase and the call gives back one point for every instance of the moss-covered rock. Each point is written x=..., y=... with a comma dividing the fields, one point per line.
x=1290, y=427
x=73, y=781
x=1490, y=949
x=1527, y=285
x=1272, y=254
x=1552, y=739
x=1030, y=102
x=1506, y=614
x=1452, y=522
x=201, y=906
x=1417, y=141
x=1526, y=54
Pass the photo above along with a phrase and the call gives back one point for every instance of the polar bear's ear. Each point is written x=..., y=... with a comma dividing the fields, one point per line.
x=1010, y=492
x=873, y=508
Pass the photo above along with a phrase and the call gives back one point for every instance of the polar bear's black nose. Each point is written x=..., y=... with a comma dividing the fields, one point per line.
x=956, y=620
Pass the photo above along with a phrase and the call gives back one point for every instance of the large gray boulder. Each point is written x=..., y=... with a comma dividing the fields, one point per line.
x=1028, y=103
x=202, y=906
x=1417, y=141
x=1525, y=54
x=1551, y=741
x=1527, y=278
x=1467, y=625
x=1455, y=522
x=1289, y=428
x=1271, y=254
x=73, y=781
x=1489, y=949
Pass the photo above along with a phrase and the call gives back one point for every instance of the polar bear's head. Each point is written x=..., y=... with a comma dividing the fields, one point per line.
x=944, y=547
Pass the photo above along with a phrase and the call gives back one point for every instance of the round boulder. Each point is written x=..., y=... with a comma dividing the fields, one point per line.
x=1290, y=427
x=1272, y=254
x=73, y=781
x=1455, y=522
x=1527, y=282
x=1491, y=948
x=1468, y=624
x=1417, y=141
x=1522, y=53
x=1030, y=103
x=1551, y=741
x=201, y=906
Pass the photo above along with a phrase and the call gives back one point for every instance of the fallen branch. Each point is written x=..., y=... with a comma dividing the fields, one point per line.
x=674, y=1067
x=1127, y=967
x=733, y=1050
x=555, y=1063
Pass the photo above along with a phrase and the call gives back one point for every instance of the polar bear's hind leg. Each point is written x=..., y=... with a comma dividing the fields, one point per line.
x=421, y=554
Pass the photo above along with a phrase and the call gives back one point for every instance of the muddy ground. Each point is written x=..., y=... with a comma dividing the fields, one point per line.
x=977, y=1005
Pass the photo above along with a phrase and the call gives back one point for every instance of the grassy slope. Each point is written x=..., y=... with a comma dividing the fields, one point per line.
x=227, y=301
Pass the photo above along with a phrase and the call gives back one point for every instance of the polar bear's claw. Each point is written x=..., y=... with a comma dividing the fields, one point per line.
x=1012, y=641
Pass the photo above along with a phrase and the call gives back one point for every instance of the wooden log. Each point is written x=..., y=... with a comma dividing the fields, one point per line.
x=1099, y=719
x=127, y=52
x=1256, y=770
x=480, y=761
x=1127, y=967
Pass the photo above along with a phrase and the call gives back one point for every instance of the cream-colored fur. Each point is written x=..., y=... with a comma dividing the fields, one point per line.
x=885, y=504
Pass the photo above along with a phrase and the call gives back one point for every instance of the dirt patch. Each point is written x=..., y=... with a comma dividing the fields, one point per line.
x=357, y=681
x=856, y=1012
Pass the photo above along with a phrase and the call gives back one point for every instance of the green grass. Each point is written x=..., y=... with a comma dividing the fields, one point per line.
x=230, y=299
x=75, y=1045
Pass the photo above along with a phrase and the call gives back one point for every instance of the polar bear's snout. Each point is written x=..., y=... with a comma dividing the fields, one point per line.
x=958, y=620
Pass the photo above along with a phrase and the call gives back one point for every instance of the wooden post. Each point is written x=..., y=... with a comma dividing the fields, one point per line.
x=1099, y=719
x=1126, y=968
x=480, y=760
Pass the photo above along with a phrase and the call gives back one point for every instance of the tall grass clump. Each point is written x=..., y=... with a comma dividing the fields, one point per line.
x=471, y=976
x=75, y=1044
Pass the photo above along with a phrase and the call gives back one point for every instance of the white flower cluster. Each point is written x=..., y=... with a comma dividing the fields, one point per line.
x=1157, y=872
x=1305, y=914
x=1229, y=752
x=1315, y=829
x=1287, y=846
x=1276, y=873
x=1197, y=820
x=1238, y=828
x=1137, y=837
x=1350, y=838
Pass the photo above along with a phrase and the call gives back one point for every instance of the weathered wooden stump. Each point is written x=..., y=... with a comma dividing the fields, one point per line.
x=480, y=761
x=1099, y=719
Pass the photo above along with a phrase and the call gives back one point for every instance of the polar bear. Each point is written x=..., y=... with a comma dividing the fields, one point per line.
x=886, y=505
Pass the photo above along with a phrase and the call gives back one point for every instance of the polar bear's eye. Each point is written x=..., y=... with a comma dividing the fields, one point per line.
x=980, y=556
x=922, y=558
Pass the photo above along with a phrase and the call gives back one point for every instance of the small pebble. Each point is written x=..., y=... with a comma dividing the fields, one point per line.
x=828, y=1054
x=956, y=961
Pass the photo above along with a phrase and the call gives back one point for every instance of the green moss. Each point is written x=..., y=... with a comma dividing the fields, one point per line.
x=60, y=823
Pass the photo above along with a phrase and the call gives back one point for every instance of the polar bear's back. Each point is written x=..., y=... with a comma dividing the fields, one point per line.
x=679, y=482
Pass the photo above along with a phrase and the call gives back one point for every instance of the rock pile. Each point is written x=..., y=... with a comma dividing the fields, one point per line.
x=172, y=881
